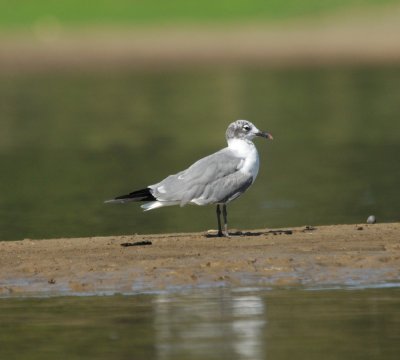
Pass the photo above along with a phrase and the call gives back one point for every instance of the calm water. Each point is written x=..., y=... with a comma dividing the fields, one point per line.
x=69, y=141
x=208, y=324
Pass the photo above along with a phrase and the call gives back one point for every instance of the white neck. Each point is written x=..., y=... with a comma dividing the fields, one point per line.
x=239, y=143
x=246, y=150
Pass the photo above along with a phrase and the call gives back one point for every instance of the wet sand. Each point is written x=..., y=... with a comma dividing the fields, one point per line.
x=305, y=256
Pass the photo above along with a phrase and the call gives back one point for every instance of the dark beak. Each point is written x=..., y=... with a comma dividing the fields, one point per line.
x=265, y=135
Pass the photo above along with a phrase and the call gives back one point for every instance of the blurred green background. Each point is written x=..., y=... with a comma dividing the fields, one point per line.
x=125, y=12
x=71, y=138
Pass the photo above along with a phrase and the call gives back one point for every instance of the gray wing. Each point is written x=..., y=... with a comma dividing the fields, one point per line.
x=225, y=189
x=213, y=179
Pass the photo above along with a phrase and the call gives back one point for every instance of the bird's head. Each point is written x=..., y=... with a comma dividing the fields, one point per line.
x=245, y=130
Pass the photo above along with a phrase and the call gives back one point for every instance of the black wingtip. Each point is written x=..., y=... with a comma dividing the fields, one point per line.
x=138, y=195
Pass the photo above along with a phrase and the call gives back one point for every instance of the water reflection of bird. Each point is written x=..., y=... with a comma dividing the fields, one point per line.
x=216, y=179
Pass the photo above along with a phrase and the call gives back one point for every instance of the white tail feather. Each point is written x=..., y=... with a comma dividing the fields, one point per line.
x=157, y=204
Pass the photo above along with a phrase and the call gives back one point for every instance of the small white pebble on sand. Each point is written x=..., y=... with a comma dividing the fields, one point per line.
x=371, y=219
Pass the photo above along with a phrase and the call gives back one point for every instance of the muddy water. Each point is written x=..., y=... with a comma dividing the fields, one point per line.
x=237, y=323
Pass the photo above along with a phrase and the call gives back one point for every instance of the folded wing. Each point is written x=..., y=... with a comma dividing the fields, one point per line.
x=214, y=179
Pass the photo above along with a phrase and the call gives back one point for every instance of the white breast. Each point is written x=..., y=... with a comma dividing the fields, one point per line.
x=246, y=150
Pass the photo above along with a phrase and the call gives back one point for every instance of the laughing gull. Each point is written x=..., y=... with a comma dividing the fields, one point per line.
x=216, y=179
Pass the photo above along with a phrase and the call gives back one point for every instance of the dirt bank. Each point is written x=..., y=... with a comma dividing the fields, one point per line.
x=326, y=255
x=365, y=38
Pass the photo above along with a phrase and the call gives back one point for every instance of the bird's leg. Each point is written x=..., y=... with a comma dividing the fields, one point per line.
x=225, y=215
x=219, y=221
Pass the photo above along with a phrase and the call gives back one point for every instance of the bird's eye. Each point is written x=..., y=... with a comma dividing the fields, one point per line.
x=246, y=127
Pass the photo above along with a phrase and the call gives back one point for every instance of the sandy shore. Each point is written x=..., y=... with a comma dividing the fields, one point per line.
x=322, y=256
x=347, y=38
